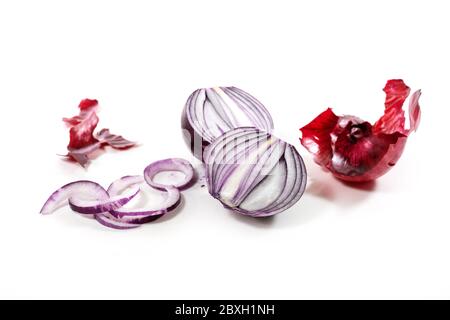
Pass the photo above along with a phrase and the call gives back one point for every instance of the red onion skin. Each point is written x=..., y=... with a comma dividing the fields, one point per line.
x=83, y=141
x=356, y=151
x=383, y=166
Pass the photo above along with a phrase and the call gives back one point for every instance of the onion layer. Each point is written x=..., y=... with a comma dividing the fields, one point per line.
x=254, y=173
x=88, y=197
x=83, y=189
x=99, y=206
x=109, y=221
x=210, y=112
x=142, y=215
x=173, y=164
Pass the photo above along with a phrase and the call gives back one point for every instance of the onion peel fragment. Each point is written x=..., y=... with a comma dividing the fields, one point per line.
x=355, y=150
x=83, y=141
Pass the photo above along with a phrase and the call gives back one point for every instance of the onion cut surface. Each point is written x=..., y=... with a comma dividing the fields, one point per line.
x=254, y=173
x=210, y=112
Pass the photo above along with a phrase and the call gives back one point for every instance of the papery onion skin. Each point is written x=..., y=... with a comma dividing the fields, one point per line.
x=83, y=141
x=210, y=112
x=354, y=150
x=254, y=173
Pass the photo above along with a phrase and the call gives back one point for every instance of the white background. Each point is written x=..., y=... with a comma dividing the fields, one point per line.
x=142, y=59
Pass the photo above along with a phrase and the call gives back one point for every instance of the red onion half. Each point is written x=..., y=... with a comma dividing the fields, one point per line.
x=210, y=112
x=254, y=173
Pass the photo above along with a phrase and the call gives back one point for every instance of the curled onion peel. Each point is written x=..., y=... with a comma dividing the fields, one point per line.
x=83, y=141
x=254, y=173
x=210, y=112
x=119, y=185
x=355, y=150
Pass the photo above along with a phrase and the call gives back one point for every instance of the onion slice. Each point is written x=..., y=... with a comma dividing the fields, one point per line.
x=109, y=221
x=173, y=164
x=142, y=215
x=119, y=185
x=83, y=189
x=107, y=206
x=99, y=206
x=254, y=173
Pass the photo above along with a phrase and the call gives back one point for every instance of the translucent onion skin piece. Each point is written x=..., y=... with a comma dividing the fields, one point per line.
x=254, y=173
x=210, y=112
x=83, y=141
x=355, y=150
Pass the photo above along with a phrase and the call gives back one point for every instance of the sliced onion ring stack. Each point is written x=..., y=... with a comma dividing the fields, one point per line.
x=107, y=206
x=83, y=206
x=210, y=112
x=254, y=173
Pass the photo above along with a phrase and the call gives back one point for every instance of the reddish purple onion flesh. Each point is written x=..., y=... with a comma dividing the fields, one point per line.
x=210, y=112
x=254, y=173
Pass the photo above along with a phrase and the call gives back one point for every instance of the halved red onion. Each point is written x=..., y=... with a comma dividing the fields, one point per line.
x=111, y=203
x=172, y=164
x=210, y=112
x=254, y=173
x=142, y=215
x=82, y=189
